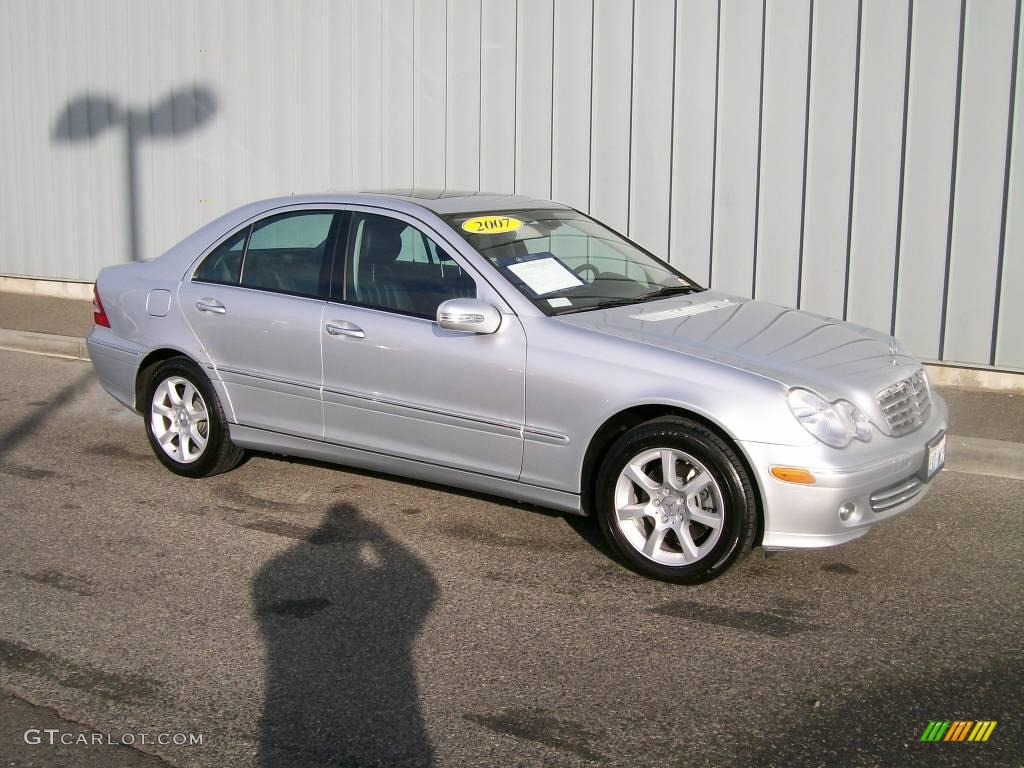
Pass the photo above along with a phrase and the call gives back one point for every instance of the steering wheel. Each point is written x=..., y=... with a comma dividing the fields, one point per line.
x=585, y=267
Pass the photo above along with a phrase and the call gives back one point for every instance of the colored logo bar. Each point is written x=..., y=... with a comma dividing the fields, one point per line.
x=958, y=730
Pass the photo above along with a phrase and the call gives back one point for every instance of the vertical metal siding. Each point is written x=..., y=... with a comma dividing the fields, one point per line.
x=1008, y=346
x=878, y=149
x=570, y=150
x=612, y=101
x=693, y=145
x=739, y=85
x=862, y=158
x=651, y=127
x=977, y=207
x=927, y=177
x=398, y=92
x=831, y=111
x=784, y=111
x=462, y=151
x=534, y=59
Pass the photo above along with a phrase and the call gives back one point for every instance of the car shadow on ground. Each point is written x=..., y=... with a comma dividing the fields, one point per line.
x=584, y=526
x=339, y=614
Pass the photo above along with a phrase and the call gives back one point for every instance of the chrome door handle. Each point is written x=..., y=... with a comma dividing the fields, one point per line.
x=345, y=329
x=211, y=305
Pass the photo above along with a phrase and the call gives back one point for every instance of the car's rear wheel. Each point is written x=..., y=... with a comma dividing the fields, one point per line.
x=185, y=422
x=675, y=501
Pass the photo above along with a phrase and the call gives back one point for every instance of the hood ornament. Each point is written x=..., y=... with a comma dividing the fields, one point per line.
x=893, y=349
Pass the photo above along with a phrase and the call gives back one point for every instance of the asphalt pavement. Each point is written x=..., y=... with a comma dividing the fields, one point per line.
x=291, y=613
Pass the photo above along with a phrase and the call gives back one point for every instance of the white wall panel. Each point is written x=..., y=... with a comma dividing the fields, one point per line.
x=339, y=95
x=215, y=63
x=367, y=99
x=1009, y=339
x=977, y=211
x=398, y=94
x=662, y=117
x=694, y=137
x=739, y=84
x=534, y=56
x=463, y=77
x=927, y=176
x=430, y=94
x=879, y=143
x=25, y=251
x=829, y=145
x=612, y=102
x=784, y=113
x=651, y=130
x=497, y=97
x=570, y=150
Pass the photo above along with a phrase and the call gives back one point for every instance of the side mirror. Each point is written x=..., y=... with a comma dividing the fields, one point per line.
x=470, y=315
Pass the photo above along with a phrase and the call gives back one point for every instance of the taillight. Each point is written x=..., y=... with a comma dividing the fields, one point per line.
x=99, y=315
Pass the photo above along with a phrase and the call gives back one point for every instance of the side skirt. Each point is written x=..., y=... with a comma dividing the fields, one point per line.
x=276, y=442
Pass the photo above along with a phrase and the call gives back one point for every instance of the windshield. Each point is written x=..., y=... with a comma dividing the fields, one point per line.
x=564, y=261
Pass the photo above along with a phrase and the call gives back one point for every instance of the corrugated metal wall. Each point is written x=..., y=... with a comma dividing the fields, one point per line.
x=860, y=158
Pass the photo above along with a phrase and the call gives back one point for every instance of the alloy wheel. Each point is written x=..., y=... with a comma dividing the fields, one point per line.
x=669, y=507
x=180, y=419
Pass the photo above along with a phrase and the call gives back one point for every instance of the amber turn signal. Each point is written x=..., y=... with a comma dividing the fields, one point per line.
x=793, y=475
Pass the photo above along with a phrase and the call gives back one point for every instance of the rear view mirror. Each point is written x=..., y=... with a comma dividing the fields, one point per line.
x=471, y=315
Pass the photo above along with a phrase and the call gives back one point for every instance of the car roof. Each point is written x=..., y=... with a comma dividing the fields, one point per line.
x=445, y=201
x=438, y=201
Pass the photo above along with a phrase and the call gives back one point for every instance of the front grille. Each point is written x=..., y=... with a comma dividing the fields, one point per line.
x=906, y=404
x=894, y=495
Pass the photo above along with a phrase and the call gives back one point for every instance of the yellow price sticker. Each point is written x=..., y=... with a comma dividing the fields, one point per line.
x=491, y=225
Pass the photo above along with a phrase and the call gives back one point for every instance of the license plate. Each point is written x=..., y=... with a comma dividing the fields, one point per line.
x=935, y=458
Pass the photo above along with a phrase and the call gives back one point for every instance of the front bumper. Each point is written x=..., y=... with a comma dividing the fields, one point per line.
x=880, y=479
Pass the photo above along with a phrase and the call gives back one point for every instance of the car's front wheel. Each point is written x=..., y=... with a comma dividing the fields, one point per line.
x=675, y=501
x=185, y=422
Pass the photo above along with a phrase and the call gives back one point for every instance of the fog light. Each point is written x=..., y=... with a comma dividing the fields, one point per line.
x=846, y=510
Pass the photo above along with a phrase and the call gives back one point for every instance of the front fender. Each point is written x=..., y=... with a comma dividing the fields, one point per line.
x=577, y=381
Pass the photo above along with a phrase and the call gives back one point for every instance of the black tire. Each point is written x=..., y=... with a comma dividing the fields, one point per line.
x=721, y=461
x=220, y=454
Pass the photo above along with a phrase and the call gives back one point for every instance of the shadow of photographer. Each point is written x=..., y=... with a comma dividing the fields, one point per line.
x=339, y=613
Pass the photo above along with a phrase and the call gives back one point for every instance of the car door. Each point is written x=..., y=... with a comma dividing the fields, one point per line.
x=396, y=383
x=256, y=304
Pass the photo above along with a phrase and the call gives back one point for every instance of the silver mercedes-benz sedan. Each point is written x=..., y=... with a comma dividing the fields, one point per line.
x=520, y=348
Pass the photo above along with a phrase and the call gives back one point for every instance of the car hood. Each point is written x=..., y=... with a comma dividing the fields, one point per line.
x=794, y=347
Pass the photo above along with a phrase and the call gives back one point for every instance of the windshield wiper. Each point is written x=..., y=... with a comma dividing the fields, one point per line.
x=600, y=305
x=664, y=291
x=667, y=290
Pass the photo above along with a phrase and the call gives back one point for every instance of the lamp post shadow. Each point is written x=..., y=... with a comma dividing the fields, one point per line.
x=87, y=116
x=339, y=613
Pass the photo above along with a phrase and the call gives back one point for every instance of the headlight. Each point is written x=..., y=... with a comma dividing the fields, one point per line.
x=835, y=424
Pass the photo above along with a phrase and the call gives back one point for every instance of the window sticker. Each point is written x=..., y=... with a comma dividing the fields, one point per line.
x=560, y=301
x=491, y=225
x=545, y=275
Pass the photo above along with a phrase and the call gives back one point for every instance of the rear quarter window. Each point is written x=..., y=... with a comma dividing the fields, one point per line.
x=224, y=264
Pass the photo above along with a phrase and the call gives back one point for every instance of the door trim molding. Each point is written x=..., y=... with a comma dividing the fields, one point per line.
x=277, y=442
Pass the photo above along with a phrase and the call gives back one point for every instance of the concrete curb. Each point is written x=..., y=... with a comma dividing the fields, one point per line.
x=60, y=289
x=975, y=378
x=44, y=344
x=981, y=456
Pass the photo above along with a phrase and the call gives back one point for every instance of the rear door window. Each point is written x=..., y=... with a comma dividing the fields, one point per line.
x=290, y=253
